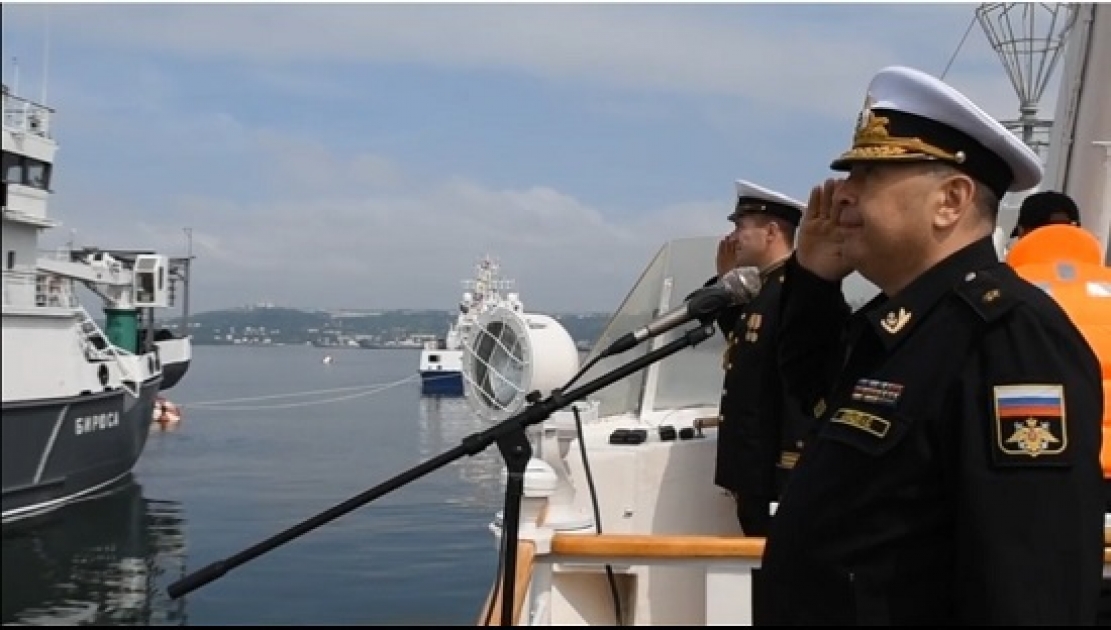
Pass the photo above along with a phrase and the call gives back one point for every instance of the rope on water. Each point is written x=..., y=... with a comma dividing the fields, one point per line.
x=363, y=391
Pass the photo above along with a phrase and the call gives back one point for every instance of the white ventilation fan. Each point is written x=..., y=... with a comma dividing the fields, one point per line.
x=511, y=354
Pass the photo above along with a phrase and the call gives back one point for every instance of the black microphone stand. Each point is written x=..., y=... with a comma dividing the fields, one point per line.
x=515, y=449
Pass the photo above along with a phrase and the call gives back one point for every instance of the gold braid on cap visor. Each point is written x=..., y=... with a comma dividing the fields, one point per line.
x=872, y=142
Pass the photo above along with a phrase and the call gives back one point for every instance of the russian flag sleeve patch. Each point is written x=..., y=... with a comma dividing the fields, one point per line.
x=1030, y=425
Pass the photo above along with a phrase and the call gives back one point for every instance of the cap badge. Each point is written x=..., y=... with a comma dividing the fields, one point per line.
x=872, y=139
x=865, y=113
x=870, y=129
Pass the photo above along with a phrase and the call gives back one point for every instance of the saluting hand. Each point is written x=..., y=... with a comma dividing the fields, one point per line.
x=819, y=245
x=727, y=255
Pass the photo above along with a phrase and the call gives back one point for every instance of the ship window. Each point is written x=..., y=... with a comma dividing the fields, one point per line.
x=146, y=287
x=26, y=171
x=13, y=168
x=37, y=174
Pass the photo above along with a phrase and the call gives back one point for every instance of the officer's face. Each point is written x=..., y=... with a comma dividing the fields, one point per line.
x=884, y=226
x=751, y=237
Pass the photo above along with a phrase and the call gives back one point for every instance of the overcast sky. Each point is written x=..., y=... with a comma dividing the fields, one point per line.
x=364, y=156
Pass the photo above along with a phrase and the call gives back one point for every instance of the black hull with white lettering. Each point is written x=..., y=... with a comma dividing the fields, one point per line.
x=57, y=450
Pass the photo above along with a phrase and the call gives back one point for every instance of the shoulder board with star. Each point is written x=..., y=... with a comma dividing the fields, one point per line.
x=987, y=294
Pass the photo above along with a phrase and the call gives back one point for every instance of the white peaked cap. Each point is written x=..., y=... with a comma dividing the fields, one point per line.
x=909, y=115
x=754, y=199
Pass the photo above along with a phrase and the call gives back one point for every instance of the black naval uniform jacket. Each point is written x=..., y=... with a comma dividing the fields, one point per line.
x=760, y=432
x=954, y=476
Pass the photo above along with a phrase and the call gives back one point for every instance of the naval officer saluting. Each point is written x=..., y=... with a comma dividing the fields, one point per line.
x=955, y=474
x=760, y=431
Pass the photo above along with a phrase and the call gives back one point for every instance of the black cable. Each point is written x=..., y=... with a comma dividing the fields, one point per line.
x=958, y=50
x=589, y=364
x=593, y=500
x=597, y=512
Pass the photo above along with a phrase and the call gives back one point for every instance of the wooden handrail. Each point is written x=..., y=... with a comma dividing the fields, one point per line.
x=658, y=546
x=491, y=611
x=680, y=546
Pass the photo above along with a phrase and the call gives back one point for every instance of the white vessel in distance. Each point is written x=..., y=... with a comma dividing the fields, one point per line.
x=441, y=360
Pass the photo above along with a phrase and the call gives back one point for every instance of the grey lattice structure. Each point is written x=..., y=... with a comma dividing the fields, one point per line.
x=1029, y=38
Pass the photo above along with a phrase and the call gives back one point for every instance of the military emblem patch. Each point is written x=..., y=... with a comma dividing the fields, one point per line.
x=1030, y=424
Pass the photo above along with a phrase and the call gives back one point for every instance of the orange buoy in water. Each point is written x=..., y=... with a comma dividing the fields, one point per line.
x=166, y=414
x=1066, y=261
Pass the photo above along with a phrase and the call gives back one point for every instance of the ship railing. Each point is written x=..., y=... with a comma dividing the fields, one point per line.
x=57, y=253
x=723, y=564
x=54, y=290
x=38, y=288
x=21, y=115
x=98, y=348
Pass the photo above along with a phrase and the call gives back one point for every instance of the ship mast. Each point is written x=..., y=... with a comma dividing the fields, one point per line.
x=1079, y=161
x=1029, y=39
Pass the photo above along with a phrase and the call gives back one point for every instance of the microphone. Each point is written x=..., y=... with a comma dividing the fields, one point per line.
x=735, y=287
x=743, y=282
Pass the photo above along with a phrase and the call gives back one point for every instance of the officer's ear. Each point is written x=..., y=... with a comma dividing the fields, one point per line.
x=773, y=229
x=954, y=197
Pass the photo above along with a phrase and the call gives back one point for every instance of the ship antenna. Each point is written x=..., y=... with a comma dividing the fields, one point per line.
x=45, y=51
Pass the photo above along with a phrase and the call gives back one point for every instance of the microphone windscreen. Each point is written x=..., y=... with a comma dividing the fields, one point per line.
x=743, y=282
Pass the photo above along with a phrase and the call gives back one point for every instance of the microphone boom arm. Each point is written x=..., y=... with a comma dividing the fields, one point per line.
x=702, y=305
x=514, y=446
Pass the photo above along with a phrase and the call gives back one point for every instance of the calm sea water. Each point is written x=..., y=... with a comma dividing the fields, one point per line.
x=237, y=471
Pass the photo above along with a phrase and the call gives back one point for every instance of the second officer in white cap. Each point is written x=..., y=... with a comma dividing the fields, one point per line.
x=760, y=431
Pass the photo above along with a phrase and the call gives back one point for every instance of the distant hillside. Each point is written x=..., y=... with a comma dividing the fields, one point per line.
x=284, y=326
